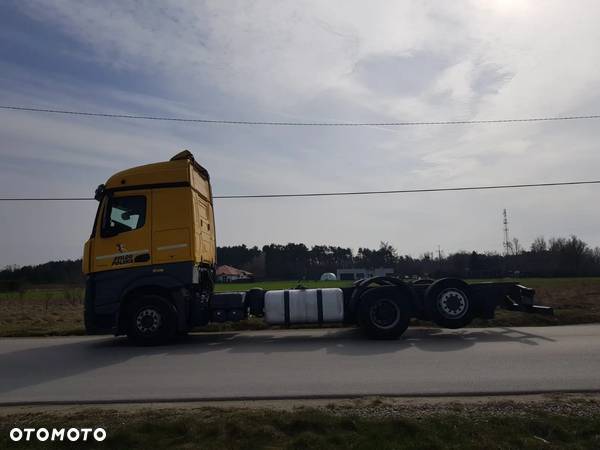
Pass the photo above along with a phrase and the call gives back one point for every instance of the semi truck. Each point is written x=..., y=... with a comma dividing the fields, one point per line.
x=150, y=265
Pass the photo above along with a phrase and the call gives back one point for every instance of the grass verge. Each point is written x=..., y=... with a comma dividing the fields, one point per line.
x=494, y=426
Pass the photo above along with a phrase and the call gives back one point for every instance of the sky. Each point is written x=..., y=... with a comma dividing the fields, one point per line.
x=334, y=61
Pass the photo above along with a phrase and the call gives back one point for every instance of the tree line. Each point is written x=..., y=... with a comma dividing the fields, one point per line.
x=12, y=278
x=554, y=257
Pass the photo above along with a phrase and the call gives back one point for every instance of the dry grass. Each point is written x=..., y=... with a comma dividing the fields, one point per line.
x=58, y=310
x=575, y=301
x=49, y=311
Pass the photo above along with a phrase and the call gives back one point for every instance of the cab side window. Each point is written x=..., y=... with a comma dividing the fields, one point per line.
x=124, y=214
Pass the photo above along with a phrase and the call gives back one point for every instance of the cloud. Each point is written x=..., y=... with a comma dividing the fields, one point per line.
x=311, y=61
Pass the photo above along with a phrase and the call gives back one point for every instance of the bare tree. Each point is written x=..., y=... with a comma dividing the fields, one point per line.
x=516, y=247
x=539, y=245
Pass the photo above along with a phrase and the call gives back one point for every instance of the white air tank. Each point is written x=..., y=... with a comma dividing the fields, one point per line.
x=304, y=306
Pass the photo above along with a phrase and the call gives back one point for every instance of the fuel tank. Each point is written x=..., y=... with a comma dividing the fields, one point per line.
x=296, y=306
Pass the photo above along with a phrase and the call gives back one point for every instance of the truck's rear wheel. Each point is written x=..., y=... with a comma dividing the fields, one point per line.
x=151, y=321
x=383, y=313
x=450, y=303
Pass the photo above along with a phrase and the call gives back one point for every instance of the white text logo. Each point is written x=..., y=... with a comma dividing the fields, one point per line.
x=57, y=434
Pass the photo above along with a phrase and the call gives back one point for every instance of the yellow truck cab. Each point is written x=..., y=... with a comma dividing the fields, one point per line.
x=153, y=241
x=150, y=270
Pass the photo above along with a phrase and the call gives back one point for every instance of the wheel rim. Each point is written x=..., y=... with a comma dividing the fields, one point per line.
x=453, y=303
x=148, y=321
x=384, y=314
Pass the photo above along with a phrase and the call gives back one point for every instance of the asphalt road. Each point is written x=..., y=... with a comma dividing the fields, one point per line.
x=301, y=363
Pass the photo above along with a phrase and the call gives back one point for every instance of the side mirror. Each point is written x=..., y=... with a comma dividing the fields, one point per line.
x=126, y=215
x=100, y=190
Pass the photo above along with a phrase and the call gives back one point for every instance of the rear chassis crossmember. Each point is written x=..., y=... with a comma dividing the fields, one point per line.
x=506, y=295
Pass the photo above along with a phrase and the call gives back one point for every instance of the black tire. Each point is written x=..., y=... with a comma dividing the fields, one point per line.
x=384, y=313
x=449, y=303
x=151, y=321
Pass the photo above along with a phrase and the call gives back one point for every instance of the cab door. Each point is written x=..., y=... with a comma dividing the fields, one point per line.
x=123, y=237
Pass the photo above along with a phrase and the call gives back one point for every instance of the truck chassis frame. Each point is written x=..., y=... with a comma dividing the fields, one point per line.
x=381, y=306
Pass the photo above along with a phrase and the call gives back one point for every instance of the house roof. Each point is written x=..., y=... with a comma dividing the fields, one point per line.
x=229, y=270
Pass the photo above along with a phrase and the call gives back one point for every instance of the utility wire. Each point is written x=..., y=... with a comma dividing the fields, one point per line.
x=299, y=124
x=413, y=191
x=340, y=194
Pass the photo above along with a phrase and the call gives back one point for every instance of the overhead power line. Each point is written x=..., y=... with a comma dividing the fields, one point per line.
x=413, y=191
x=296, y=124
x=341, y=194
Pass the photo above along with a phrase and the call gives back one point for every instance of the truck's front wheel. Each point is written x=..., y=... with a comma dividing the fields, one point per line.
x=151, y=321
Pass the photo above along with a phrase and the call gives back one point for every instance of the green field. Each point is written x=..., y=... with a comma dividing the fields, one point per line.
x=58, y=310
x=536, y=283
x=273, y=285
